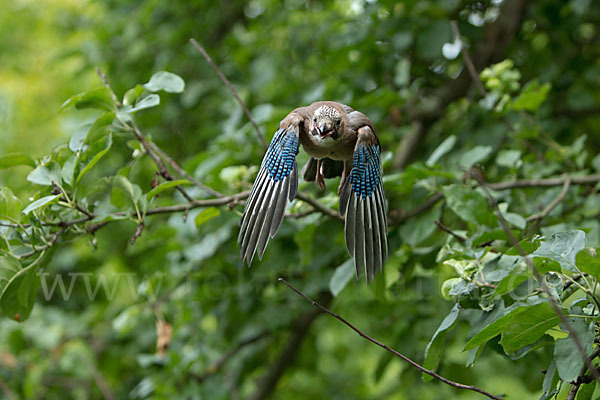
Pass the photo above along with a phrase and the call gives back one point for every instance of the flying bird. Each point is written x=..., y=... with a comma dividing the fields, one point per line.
x=339, y=141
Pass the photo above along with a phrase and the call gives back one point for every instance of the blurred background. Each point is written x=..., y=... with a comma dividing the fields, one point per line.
x=234, y=333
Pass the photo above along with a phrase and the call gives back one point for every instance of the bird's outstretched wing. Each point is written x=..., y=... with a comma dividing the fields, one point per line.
x=362, y=203
x=275, y=185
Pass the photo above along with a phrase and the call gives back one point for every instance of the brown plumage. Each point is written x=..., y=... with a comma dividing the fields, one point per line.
x=339, y=140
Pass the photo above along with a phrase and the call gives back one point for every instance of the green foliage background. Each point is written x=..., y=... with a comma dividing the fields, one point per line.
x=399, y=63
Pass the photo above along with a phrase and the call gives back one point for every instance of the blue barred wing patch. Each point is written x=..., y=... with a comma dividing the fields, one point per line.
x=362, y=204
x=281, y=155
x=275, y=185
x=366, y=172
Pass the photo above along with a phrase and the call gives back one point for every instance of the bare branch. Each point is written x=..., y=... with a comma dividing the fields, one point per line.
x=231, y=88
x=215, y=367
x=112, y=93
x=299, y=329
x=318, y=206
x=394, y=352
x=183, y=172
x=6, y=390
x=538, y=276
x=582, y=378
x=554, y=203
x=449, y=231
x=162, y=168
x=468, y=61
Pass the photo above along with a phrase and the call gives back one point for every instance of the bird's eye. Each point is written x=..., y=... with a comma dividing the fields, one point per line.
x=338, y=123
x=315, y=120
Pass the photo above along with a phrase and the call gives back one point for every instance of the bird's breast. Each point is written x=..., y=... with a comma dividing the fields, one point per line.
x=336, y=149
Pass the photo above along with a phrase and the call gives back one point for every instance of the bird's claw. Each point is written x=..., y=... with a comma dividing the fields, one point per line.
x=320, y=179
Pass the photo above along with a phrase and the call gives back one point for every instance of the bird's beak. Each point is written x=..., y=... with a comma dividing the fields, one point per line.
x=325, y=129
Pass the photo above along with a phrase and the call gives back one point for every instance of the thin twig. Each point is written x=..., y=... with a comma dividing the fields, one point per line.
x=538, y=276
x=318, y=206
x=99, y=379
x=138, y=233
x=183, y=172
x=231, y=88
x=6, y=390
x=162, y=168
x=450, y=231
x=112, y=93
x=394, y=352
x=398, y=216
x=215, y=367
x=48, y=245
x=582, y=378
x=554, y=203
x=468, y=61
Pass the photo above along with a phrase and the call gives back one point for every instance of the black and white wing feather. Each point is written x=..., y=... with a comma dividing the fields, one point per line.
x=362, y=203
x=275, y=185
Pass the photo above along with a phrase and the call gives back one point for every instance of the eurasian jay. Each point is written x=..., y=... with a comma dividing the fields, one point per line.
x=333, y=135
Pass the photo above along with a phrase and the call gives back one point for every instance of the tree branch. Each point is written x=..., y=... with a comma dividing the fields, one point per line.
x=183, y=172
x=492, y=48
x=318, y=206
x=162, y=168
x=468, y=61
x=582, y=378
x=398, y=216
x=215, y=367
x=554, y=203
x=538, y=276
x=299, y=330
x=231, y=88
x=394, y=352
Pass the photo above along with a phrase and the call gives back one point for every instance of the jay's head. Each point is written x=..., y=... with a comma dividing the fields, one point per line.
x=327, y=123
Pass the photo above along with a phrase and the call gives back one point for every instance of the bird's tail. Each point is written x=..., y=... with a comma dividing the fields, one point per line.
x=331, y=169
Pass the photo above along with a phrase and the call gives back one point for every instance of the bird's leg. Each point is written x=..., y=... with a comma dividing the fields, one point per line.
x=320, y=178
x=344, y=177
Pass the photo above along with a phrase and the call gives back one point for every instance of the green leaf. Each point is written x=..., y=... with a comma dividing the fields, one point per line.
x=45, y=175
x=164, y=186
x=12, y=159
x=587, y=261
x=131, y=191
x=147, y=102
x=517, y=275
x=475, y=155
x=402, y=72
x=207, y=214
x=341, y=276
x=10, y=205
x=68, y=170
x=132, y=94
x=509, y=158
x=106, y=142
x=528, y=326
x=101, y=127
x=515, y=219
x=550, y=381
x=78, y=138
x=566, y=354
x=99, y=98
x=469, y=205
x=441, y=150
x=421, y=228
x=18, y=287
x=532, y=96
x=498, y=319
x=586, y=391
x=562, y=247
x=167, y=81
x=433, y=351
x=41, y=203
